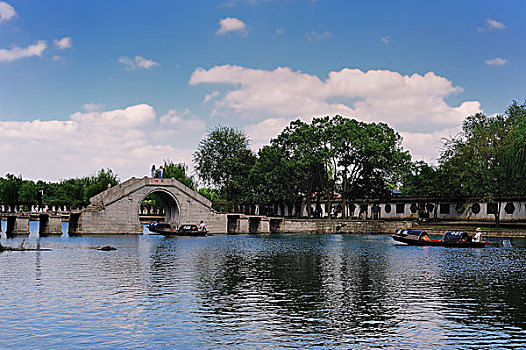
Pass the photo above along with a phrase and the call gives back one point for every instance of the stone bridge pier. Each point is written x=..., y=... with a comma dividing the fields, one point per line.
x=18, y=224
x=116, y=210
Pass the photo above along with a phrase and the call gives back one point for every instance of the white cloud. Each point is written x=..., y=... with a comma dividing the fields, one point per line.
x=7, y=12
x=183, y=122
x=64, y=43
x=138, y=62
x=17, y=53
x=498, y=61
x=268, y=100
x=313, y=36
x=261, y=133
x=126, y=140
x=128, y=62
x=492, y=24
x=145, y=63
x=211, y=96
x=427, y=146
x=386, y=39
x=231, y=25
x=133, y=116
x=93, y=107
x=227, y=4
x=280, y=31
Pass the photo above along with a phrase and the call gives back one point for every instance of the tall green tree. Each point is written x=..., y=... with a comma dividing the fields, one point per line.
x=370, y=156
x=516, y=156
x=274, y=177
x=211, y=160
x=239, y=188
x=303, y=148
x=478, y=158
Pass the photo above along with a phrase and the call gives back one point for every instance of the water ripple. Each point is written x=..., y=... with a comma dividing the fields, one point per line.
x=261, y=292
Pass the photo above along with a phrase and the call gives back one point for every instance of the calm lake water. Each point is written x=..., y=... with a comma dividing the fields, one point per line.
x=260, y=292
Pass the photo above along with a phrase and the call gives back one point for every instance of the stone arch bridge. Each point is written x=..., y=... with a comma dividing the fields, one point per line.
x=116, y=210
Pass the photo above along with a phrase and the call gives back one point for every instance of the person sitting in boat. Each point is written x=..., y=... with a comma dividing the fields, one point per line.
x=478, y=235
x=202, y=226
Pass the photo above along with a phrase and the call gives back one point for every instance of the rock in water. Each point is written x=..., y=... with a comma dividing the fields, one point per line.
x=107, y=248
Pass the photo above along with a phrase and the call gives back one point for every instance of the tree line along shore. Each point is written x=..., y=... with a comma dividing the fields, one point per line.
x=318, y=161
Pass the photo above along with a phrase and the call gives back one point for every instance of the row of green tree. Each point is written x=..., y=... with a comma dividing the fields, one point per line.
x=363, y=162
x=73, y=193
x=313, y=161
x=306, y=160
x=486, y=161
x=76, y=192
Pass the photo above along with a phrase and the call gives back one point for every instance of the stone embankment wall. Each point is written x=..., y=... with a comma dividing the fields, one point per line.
x=259, y=224
x=343, y=226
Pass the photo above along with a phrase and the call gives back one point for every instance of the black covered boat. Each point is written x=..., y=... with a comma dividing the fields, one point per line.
x=159, y=227
x=454, y=239
x=183, y=230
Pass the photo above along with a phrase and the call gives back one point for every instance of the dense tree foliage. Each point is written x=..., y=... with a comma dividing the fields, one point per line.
x=484, y=162
x=369, y=158
x=273, y=177
x=306, y=160
x=95, y=184
x=10, y=189
x=71, y=192
x=211, y=160
x=303, y=147
x=224, y=161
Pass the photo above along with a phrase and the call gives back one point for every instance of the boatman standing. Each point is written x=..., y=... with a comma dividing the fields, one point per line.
x=478, y=235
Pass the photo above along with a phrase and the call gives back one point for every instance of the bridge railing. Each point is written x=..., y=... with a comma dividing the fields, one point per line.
x=22, y=208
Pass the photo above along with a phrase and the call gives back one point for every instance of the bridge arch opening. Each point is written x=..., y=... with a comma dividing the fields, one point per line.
x=160, y=205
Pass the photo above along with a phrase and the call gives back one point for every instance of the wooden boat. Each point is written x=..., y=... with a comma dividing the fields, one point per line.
x=453, y=239
x=183, y=230
x=159, y=227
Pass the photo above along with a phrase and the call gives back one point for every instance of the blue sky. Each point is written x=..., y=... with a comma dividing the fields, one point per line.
x=86, y=85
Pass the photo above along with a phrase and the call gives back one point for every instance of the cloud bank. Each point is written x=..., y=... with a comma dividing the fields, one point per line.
x=268, y=100
x=263, y=102
x=127, y=140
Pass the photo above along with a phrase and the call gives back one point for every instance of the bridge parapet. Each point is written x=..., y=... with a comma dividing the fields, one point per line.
x=115, y=193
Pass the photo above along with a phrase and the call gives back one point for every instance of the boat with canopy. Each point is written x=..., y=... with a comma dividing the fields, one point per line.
x=454, y=239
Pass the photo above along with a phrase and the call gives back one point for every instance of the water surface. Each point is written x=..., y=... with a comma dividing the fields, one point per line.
x=260, y=292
